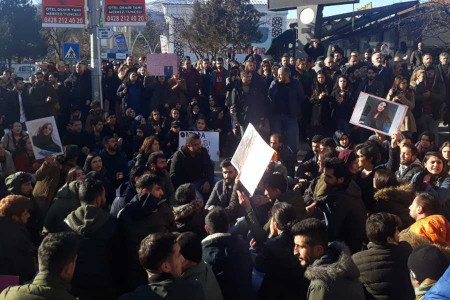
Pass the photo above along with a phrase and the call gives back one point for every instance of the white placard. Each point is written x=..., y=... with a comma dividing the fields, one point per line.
x=44, y=137
x=210, y=141
x=251, y=158
x=378, y=114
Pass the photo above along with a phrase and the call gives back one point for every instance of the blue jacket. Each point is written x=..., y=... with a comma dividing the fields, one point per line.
x=441, y=290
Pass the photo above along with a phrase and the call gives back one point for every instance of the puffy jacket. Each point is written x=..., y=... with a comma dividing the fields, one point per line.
x=441, y=290
x=436, y=228
x=405, y=174
x=45, y=286
x=203, y=273
x=384, y=271
x=334, y=276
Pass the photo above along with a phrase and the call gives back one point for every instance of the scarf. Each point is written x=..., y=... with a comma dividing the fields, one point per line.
x=423, y=288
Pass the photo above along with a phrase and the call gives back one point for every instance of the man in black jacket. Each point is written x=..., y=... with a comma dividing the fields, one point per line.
x=159, y=255
x=191, y=163
x=18, y=103
x=383, y=267
x=80, y=87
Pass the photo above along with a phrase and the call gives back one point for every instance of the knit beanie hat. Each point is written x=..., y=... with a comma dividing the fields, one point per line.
x=14, y=182
x=190, y=246
x=427, y=262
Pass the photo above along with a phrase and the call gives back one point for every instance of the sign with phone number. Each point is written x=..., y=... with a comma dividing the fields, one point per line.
x=56, y=13
x=131, y=13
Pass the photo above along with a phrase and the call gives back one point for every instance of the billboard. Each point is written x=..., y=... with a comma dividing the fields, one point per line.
x=69, y=14
x=125, y=13
x=293, y=4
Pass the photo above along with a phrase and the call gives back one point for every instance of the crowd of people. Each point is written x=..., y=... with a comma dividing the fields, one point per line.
x=128, y=213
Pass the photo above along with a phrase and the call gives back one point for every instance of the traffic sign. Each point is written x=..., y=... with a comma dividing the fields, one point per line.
x=71, y=51
x=105, y=33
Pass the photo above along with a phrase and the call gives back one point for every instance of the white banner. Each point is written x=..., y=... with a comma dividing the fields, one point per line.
x=44, y=137
x=251, y=158
x=210, y=141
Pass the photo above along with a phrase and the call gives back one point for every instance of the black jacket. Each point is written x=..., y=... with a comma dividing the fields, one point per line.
x=230, y=260
x=96, y=270
x=12, y=106
x=248, y=107
x=79, y=87
x=384, y=272
x=284, y=277
x=185, y=168
x=296, y=96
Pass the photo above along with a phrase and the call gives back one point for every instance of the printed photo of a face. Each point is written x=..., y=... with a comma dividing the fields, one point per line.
x=44, y=137
x=168, y=71
x=378, y=114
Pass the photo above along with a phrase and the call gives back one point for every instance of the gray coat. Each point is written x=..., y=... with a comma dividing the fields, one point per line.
x=220, y=195
x=203, y=273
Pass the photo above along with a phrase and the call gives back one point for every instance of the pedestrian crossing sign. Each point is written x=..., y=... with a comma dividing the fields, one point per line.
x=71, y=51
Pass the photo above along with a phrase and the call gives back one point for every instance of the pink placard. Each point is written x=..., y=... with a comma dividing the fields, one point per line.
x=162, y=64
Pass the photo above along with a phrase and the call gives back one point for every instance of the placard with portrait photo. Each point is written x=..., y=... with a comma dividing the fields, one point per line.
x=44, y=137
x=378, y=114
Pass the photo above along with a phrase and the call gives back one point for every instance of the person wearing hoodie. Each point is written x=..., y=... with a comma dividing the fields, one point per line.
x=228, y=256
x=329, y=267
x=409, y=163
x=194, y=268
x=383, y=266
x=342, y=140
x=95, y=275
x=441, y=289
x=426, y=265
x=148, y=212
x=17, y=252
x=20, y=183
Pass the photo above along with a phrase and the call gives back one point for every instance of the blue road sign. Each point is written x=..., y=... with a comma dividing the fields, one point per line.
x=71, y=51
x=121, y=42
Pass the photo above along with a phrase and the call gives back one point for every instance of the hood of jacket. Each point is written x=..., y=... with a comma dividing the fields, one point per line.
x=141, y=206
x=87, y=219
x=14, y=182
x=403, y=194
x=415, y=240
x=68, y=190
x=334, y=264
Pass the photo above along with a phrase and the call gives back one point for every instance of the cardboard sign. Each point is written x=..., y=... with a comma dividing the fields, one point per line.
x=251, y=158
x=44, y=137
x=162, y=64
x=69, y=14
x=378, y=114
x=210, y=141
x=125, y=13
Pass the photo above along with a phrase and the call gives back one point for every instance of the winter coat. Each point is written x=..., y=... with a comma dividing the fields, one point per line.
x=38, y=99
x=334, y=276
x=45, y=286
x=25, y=162
x=409, y=124
x=384, y=271
x=416, y=240
x=10, y=143
x=134, y=97
x=230, y=261
x=191, y=217
x=139, y=218
x=296, y=96
x=80, y=88
x=435, y=228
x=343, y=110
x=17, y=252
x=164, y=286
x=110, y=87
x=212, y=81
x=65, y=202
x=47, y=181
x=193, y=82
x=96, y=263
x=220, y=195
x=406, y=173
x=185, y=168
x=396, y=200
x=177, y=92
x=283, y=279
x=248, y=107
x=114, y=163
x=124, y=193
x=12, y=103
x=7, y=166
x=441, y=289
x=345, y=214
x=203, y=273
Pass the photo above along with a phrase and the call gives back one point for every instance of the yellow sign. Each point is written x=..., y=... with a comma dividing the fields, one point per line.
x=367, y=6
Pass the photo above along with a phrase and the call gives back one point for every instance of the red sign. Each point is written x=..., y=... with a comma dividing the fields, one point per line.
x=63, y=13
x=125, y=13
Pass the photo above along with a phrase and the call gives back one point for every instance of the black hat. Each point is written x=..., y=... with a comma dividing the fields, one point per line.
x=185, y=193
x=427, y=261
x=175, y=124
x=190, y=246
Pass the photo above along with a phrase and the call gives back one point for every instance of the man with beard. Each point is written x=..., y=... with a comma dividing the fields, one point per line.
x=221, y=194
x=115, y=159
x=42, y=96
x=329, y=267
x=17, y=103
x=217, y=82
x=191, y=163
x=77, y=136
x=205, y=74
x=157, y=163
x=409, y=163
x=371, y=85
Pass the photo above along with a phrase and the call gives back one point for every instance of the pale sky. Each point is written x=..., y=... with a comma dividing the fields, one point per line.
x=340, y=9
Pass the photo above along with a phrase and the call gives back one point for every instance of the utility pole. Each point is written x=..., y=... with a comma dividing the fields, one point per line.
x=96, y=65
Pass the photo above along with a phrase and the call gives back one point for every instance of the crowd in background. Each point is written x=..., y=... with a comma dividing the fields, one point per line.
x=126, y=212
